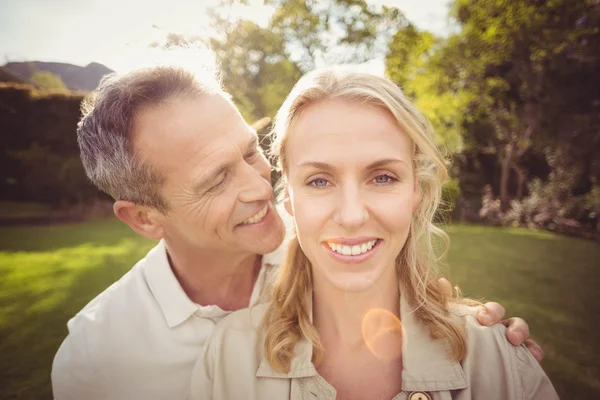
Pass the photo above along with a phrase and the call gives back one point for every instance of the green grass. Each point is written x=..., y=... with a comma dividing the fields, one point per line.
x=550, y=281
x=48, y=273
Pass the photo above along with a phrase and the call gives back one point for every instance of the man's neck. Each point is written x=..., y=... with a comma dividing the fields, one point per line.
x=224, y=280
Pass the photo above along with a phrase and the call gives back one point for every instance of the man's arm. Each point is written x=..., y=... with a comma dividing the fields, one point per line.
x=73, y=372
x=517, y=331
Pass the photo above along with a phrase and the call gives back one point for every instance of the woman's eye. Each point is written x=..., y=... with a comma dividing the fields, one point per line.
x=381, y=179
x=319, y=182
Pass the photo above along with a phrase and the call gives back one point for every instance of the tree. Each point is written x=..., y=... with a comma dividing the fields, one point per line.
x=511, y=53
x=255, y=66
x=260, y=65
x=417, y=61
x=519, y=85
x=334, y=31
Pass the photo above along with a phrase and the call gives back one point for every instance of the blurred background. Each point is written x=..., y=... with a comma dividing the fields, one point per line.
x=511, y=86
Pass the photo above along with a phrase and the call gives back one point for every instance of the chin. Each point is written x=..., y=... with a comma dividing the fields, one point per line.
x=263, y=241
x=356, y=282
x=270, y=243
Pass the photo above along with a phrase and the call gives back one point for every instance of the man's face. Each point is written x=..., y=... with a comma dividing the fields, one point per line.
x=217, y=181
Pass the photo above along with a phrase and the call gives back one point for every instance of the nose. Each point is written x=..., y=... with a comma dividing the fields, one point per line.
x=351, y=211
x=254, y=185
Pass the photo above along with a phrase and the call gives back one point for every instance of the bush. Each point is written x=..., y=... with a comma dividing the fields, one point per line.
x=40, y=157
x=547, y=207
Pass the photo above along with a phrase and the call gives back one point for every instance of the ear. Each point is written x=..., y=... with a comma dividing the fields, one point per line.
x=416, y=196
x=143, y=220
x=287, y=203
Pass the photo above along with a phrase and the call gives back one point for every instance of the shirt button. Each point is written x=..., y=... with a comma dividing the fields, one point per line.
x=419, y=396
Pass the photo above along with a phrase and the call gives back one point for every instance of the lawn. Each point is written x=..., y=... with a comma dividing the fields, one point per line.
x=552, y=282
x=48, y=273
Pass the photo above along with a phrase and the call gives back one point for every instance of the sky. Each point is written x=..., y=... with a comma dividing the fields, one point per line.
x=117, y=33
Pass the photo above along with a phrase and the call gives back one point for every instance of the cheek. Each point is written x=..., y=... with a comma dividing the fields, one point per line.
x=311, y=214
x=394, y=211
x=211, y=214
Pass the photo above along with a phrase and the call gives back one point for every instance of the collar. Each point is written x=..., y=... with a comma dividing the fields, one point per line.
x=276, y=257
x=426, y=362
x=301, y=365
x=175, y=305
x=266, y=276
x=426, y=365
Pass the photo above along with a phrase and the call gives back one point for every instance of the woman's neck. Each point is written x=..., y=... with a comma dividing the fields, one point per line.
x=354, y=320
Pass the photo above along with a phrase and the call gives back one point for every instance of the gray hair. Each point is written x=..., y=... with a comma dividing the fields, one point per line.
x=104, y=133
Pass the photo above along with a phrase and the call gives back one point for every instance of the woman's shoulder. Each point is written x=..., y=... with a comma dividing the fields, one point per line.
x=493, y=361
x=479, y=337
x=487, y=346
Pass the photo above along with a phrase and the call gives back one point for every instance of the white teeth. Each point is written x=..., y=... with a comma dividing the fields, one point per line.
x=352, y=250
x=257, y=217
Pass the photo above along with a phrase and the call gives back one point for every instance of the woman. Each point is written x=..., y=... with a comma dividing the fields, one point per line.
x=357, y=311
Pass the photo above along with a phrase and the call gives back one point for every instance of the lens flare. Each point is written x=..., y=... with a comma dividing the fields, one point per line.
x=382, y=333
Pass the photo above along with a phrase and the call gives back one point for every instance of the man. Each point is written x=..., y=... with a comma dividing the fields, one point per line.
x=186, y=170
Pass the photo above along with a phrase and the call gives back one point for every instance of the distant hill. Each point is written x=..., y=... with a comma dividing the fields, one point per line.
x=6, y=76
x=75, y=77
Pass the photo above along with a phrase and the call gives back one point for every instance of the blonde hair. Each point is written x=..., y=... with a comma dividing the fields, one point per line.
x=287, y=319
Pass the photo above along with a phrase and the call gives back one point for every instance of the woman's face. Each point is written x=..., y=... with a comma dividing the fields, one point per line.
x=351, y=191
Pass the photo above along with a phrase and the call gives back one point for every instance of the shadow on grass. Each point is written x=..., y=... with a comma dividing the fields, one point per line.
x=34, y=313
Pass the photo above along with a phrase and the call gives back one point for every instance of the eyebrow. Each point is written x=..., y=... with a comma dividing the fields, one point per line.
x=374, y=165
x=207, y=179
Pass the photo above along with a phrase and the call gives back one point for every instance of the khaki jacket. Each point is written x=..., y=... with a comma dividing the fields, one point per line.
x=233, y=367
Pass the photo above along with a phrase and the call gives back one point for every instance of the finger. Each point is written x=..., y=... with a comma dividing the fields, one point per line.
x=446, y=287
x=491, y=313
x=535, y=350
x=517, y=330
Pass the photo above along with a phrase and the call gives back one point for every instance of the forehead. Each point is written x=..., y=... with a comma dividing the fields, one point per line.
x=188, y=131
x=346, y=132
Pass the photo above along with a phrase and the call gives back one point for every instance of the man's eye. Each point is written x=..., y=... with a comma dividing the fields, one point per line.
x=382, y=179
x=218, y=184
x=251, y=155
x=319, y=182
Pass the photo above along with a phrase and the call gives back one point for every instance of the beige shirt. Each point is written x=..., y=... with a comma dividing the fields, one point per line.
x=233, y=366
x=140, y=338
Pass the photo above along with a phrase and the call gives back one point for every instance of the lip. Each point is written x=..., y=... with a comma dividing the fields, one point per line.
x=352, y=259
x=266, y=219
x=351, y=241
